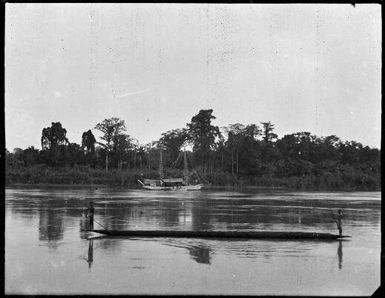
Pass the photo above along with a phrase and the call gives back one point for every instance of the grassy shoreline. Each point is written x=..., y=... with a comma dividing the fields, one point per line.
x=128, y=179
x=207, y=187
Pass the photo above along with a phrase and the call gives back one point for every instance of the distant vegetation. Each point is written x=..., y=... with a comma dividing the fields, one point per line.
x=236, y=155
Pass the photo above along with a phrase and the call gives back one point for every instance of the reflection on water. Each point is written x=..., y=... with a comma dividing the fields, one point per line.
x=90, y=255
x=339, y=253
x=51, y=226
x=200, y=254
x=199, y=251
x=223, y=266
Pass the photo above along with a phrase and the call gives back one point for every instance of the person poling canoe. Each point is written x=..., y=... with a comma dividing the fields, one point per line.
x=90, y=215
x=338, y=220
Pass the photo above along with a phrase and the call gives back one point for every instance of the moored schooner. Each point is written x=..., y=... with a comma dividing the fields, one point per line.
x=170, y=183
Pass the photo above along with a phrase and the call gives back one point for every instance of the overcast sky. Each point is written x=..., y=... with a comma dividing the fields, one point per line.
x=313, y=68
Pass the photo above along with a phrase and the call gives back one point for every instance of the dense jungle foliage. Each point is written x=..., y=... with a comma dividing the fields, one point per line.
x=236, y=155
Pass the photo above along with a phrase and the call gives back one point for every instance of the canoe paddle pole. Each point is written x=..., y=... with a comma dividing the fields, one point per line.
x=100, y=225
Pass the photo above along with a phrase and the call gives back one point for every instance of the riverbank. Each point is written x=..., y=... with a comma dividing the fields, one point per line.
x=104, y=186
x=348, y=180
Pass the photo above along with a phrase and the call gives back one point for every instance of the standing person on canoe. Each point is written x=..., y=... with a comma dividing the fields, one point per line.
x=338, y=221
x=90, y=215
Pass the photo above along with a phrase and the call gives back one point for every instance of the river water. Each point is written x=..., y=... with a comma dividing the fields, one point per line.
x=47, y=250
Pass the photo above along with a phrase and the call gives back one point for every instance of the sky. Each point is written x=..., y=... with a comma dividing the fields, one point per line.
x=304, y=67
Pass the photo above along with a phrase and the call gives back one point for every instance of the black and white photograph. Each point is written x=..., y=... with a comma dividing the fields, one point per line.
x=192, y=149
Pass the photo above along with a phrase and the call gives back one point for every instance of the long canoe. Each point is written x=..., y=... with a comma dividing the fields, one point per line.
x=225, y=234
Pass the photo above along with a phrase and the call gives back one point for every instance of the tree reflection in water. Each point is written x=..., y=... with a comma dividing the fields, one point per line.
x=200, y=253
x=51, y=226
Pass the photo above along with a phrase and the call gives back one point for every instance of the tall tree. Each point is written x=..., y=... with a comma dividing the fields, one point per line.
x=203, y=135
x=111, y=129
x=150, y=148
x=141, y=156
x=234, y=139
x=252, y=131
x=267, y=132
x=31, y=156
x=121, y=145
x=88, y=141
x=242, y=144
x=54, y=144
x=74, y=154
x=54, y=136
x=350, y=152
x=173, y=140
x=327, y=148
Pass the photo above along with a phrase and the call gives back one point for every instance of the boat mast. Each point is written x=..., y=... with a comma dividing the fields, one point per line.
x=185, y=170
x=161, y=173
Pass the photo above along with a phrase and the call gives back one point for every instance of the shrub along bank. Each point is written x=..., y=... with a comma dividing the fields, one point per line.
x=340, y=178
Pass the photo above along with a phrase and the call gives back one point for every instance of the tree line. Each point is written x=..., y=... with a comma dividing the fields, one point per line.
x=236, y=154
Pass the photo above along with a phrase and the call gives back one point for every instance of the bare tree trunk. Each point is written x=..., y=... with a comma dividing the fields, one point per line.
x=232, y=162
x=106, y=161
x=237, y=163
x=222, y=161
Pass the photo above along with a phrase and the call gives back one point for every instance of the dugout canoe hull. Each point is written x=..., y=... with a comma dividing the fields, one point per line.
x=225, y=234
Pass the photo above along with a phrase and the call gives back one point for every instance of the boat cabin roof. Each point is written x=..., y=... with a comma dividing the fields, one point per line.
x=150, y=181
x=173, y=180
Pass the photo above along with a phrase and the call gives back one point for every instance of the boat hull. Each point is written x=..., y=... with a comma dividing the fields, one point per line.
x=226, y=234
x=182, y=187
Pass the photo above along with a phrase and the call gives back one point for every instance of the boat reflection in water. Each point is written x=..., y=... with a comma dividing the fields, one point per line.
x=201, y=253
